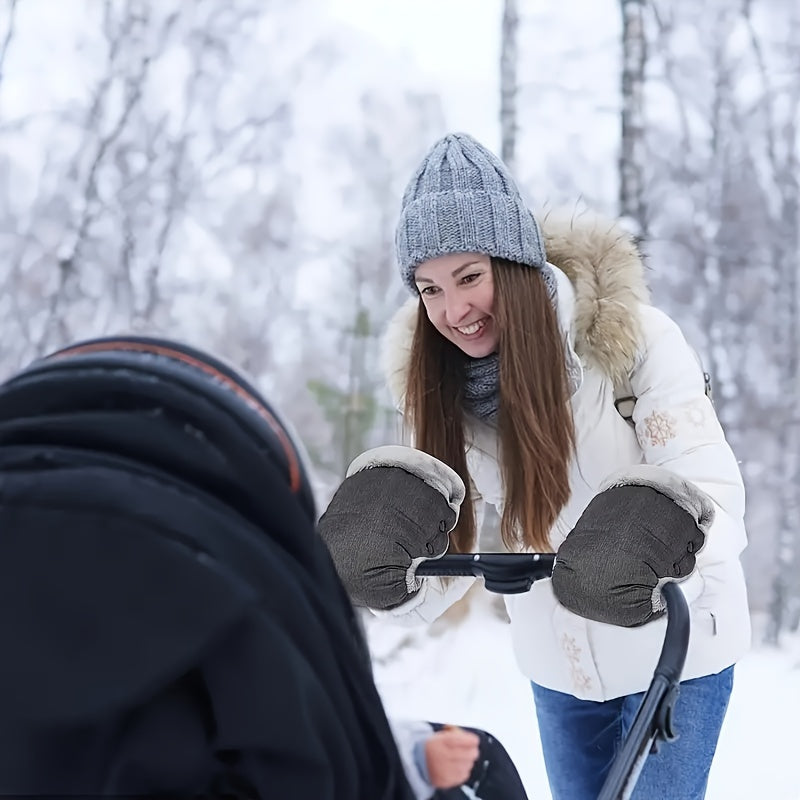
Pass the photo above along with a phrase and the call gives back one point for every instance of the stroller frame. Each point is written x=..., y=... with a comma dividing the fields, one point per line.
x=510, y=573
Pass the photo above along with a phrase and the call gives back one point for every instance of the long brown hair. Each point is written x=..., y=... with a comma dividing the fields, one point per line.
x=534, y=422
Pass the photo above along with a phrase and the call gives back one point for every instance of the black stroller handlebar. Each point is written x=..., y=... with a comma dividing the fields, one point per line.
x=512, y=573
x=653, y=722
x=504, y=573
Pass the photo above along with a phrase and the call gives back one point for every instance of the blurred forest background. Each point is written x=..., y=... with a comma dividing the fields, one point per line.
x=228, y=172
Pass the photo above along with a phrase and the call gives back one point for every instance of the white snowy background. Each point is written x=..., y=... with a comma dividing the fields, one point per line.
x=228, y=172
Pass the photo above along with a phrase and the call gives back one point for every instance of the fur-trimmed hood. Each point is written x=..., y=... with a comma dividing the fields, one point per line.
x=607, y=273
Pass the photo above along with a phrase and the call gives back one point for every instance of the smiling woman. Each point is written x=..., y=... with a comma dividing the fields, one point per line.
x=506, y=364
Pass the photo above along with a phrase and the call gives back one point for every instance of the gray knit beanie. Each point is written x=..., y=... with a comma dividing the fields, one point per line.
x=462, y=199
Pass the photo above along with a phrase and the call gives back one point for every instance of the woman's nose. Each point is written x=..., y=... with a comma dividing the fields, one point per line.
x=456, y=309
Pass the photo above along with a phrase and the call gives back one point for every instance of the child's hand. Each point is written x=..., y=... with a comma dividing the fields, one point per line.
x=451, y=753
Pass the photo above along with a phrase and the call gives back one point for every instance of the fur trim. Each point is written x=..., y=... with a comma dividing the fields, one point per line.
x=683, y=493
x=606, y=269
x=433, y=472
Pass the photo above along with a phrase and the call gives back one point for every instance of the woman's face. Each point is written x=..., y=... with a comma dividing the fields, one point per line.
x=458, y=292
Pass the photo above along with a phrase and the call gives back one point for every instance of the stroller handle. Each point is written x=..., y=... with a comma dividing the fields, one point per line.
x=512, y=573
x=504, y=573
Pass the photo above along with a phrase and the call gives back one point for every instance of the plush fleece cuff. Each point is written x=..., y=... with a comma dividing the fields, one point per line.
x=685, y=494
x=433, y=472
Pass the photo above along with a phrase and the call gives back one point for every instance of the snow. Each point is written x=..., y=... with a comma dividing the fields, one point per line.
x=465, y=673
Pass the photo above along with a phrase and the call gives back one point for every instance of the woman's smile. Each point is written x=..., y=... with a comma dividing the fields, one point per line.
x=474, y=329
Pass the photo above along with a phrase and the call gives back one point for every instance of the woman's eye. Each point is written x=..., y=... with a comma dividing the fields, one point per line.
x=471, y=277
x=428, y=290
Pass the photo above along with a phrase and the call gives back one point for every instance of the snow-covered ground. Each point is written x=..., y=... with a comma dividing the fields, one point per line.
x=465, y=673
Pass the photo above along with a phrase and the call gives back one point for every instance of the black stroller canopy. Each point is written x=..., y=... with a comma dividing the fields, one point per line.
x=216, y=426
x=170, y=620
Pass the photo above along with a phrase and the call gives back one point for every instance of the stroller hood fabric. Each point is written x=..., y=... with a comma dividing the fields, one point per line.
x=171, y=622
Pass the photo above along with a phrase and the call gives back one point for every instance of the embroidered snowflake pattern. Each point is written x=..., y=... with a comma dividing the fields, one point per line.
x=696, y=416
x=580, y=679
x=659, y=427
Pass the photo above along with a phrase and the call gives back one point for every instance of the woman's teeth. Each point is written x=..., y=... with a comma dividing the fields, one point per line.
x=468, y=330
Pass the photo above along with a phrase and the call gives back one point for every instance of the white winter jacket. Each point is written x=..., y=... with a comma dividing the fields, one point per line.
x=613, y=335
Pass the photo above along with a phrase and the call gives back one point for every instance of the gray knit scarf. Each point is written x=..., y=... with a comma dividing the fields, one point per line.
x=481, y=383
x=482, y=375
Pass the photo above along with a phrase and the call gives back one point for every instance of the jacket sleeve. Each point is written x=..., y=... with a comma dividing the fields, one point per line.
x=410, y=736
x=435, y=596
x=678, y=429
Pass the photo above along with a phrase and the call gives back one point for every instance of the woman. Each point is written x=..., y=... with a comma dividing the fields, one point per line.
x=509, y=364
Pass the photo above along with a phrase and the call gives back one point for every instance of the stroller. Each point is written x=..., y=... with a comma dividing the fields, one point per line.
x=172, y=624
x=507, y=573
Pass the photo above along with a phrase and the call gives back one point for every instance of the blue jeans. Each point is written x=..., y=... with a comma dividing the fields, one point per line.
x=580, y=739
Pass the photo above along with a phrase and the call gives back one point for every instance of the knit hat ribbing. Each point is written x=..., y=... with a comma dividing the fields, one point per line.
x=462, y=199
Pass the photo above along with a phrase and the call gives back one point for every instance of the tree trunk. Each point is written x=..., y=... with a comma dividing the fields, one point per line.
x=632, y=205
x=508, y=83
x=785, y=252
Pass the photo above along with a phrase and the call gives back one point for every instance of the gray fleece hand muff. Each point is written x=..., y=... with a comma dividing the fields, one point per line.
x=642, y=530
x=396, y=507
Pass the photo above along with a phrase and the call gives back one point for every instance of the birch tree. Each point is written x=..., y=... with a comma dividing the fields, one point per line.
x=509, y=88
x=633, y=150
